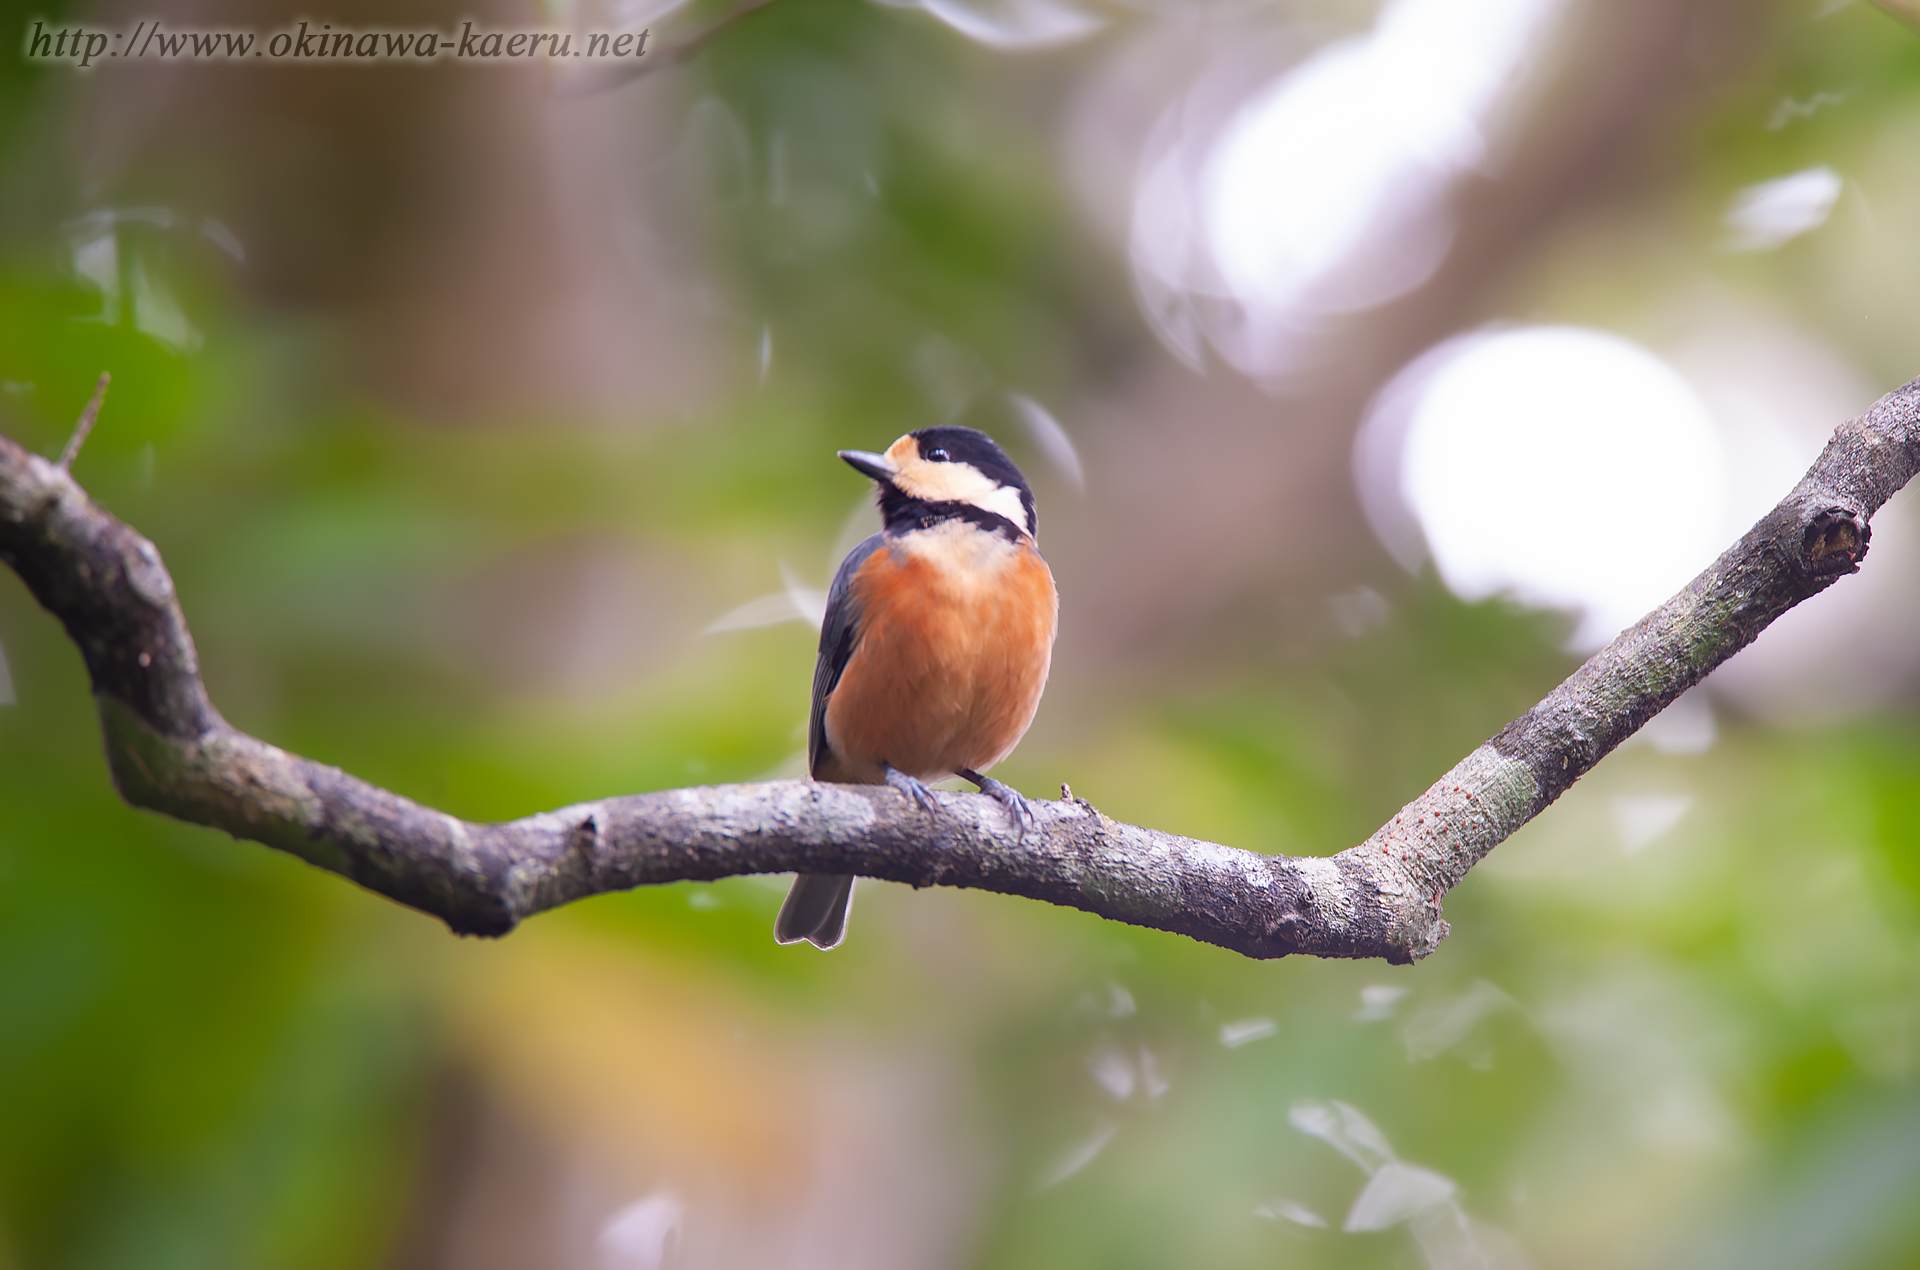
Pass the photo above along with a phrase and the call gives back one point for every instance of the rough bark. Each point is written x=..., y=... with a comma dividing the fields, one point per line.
x=170, y=751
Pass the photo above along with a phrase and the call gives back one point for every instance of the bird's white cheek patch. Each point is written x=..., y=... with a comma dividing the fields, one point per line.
x=1005, y=501
x=945, y=482
x=962, y=483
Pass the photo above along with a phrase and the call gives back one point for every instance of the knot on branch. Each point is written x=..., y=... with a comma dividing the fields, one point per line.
x=1288, y=927
x=1836, y=543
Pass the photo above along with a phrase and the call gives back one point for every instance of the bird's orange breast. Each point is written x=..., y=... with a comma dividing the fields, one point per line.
x=956, y=638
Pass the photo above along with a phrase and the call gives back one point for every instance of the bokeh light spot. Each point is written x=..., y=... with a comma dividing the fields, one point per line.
x=1773, y=213
x=1564, y=467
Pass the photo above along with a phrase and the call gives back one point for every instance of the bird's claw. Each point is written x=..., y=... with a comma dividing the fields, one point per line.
x=913, y=787
x=1019, y=806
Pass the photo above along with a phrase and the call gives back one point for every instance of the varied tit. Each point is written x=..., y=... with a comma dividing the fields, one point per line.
x=935, y=647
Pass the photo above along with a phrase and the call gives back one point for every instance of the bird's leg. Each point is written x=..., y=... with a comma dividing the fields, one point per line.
x=1019, y=809
x=912, y=786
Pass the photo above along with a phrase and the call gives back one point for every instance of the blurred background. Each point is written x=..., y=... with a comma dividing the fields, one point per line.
x=1372, y=364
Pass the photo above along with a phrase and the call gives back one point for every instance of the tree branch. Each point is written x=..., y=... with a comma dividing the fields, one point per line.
x=170, y=751
x=85, y=423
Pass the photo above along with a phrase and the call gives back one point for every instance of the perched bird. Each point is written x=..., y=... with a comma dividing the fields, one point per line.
x=938, y=634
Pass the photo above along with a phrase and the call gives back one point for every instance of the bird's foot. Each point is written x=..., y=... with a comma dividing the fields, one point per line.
x=1019, y=807
x=913, y=787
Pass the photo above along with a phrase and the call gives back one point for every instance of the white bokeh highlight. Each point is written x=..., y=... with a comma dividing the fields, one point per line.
x=1012, y=26
x=1568, y=469
x=641, y=1235
x=1773, y=213
x=1356, y=148
x=1329, y=189
x=1571, y=469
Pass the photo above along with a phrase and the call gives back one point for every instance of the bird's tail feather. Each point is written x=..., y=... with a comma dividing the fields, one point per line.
x=816, y=910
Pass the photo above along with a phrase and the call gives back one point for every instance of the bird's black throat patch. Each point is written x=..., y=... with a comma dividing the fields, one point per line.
x=902, y=513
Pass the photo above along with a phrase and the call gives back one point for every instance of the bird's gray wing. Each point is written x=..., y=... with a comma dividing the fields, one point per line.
x=839, y=634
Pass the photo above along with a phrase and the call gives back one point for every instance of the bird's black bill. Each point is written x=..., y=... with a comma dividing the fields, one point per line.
x=873, y=465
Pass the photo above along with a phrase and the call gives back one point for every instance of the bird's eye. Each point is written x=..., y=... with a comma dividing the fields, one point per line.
x=937, y=455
